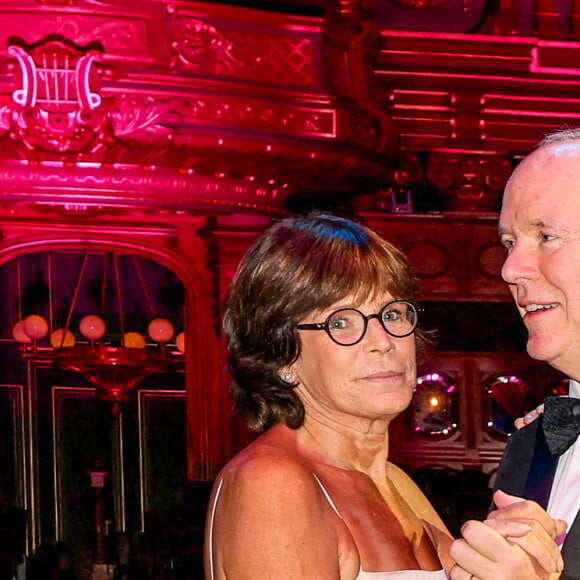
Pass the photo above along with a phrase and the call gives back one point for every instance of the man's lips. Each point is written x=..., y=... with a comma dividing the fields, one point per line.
x=530, y=308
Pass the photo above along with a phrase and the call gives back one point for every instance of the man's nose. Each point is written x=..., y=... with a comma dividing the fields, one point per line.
x=519, y=265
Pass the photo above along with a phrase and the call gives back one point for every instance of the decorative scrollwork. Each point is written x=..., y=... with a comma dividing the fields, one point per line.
x=194, y=42
x=57, y=106
x=132, y=115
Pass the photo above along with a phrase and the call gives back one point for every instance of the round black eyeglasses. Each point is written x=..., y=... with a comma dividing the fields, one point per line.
x=348, y=326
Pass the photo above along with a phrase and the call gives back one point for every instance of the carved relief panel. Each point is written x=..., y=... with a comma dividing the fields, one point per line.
x=455, y=256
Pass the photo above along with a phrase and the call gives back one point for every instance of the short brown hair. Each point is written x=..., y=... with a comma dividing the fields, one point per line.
x=297, y=266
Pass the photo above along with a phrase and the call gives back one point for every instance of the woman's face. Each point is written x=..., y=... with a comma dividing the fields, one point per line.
x=371, y=380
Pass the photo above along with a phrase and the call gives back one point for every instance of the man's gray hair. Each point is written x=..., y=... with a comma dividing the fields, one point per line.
x=560, y=136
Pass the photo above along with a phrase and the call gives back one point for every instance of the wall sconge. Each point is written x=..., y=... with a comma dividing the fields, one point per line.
x=506, y=400
x=433, y=406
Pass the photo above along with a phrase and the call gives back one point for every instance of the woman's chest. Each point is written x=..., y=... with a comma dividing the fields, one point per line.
x=386, y=533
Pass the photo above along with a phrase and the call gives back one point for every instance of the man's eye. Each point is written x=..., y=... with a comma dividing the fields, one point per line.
x=508, y=244
x=338, y=323
x=546, y=237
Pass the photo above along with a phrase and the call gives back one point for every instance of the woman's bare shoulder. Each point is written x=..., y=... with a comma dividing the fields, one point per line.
x=271, y=516
x=269, y=461
x=398, y=476
x=423, y=509
x=410, y=491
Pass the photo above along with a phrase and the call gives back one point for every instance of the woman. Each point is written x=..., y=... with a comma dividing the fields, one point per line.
x=322, y=336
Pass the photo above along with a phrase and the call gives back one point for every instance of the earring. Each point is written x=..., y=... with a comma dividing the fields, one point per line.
x=287, y=377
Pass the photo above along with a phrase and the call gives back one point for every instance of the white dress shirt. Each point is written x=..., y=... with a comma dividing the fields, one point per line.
x=564, y=501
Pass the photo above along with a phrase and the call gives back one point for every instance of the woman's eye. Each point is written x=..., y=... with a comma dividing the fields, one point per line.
x=391, y=315
x=338, y=323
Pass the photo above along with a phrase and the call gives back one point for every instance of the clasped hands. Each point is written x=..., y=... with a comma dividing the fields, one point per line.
x=516, y=542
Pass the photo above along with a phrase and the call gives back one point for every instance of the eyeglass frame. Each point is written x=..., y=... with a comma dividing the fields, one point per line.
x=325, y=325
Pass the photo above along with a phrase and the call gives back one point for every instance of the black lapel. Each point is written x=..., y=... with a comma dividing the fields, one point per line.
x=527, y=468
x=542, y=469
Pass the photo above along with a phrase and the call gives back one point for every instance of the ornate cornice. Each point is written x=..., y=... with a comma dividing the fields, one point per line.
x=239, y=102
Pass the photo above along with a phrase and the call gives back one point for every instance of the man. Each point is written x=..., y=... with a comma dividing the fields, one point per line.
x=540, y=229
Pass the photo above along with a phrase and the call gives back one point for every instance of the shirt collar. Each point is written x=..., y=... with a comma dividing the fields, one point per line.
x=574, y=389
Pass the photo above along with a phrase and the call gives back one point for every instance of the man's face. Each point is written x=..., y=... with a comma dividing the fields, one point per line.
x=540, y=229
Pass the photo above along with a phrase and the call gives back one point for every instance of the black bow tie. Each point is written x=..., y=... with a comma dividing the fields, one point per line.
x=561, y=423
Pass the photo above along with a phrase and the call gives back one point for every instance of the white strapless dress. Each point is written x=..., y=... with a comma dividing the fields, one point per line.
x=403, y=575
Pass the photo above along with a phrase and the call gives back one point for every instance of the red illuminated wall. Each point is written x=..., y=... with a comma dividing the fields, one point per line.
x=178, y=130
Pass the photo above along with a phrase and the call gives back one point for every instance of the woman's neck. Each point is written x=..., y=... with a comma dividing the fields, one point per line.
x=359, y=445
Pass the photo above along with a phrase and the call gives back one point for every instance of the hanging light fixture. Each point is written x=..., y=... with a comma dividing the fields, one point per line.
x=113, y=364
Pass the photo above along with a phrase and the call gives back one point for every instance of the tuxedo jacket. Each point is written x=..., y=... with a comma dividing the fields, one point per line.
x=527, y=469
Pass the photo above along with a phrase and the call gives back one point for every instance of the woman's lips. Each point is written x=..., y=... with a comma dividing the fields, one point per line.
x=382, y=375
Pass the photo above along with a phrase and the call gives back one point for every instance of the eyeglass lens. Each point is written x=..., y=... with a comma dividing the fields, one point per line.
x=348, y=326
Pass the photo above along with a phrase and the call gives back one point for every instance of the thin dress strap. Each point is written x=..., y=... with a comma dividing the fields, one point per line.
x=327, y=495
x=210, y=533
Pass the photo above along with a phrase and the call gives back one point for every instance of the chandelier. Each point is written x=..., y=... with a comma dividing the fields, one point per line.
x=113, y=360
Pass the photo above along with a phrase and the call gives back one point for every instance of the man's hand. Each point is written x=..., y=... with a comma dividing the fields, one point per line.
x=516, y=542
x=512, y=507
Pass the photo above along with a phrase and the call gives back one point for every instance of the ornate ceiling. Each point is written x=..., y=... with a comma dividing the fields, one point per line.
x=212, y=107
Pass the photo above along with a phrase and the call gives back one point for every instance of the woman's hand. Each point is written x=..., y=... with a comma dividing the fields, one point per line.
x=530, y=417
x=516, y=542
